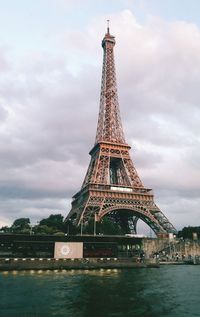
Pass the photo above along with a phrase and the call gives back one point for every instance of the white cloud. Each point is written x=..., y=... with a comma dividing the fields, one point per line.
x=49, y=115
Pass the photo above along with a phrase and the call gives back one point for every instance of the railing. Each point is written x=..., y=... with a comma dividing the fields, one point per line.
x=119, y=188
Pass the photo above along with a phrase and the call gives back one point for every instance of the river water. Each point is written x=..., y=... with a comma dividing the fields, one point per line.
x=168, y=291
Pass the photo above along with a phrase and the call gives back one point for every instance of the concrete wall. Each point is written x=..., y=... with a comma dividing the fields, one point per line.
x=189, y=248
x=182, y=248
x=151, y=246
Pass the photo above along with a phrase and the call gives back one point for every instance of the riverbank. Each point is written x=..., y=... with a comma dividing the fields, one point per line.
x=188, y=262
x=68, y=264
x=18, y=264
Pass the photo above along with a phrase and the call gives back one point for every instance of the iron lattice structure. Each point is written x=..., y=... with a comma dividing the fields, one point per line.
x=112, y=185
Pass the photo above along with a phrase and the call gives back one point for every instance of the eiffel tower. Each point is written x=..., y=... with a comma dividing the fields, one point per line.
x=112, y=186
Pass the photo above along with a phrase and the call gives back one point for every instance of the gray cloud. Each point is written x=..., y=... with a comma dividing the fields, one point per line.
x=4, y=60
x=48, y=116
x=3, y=114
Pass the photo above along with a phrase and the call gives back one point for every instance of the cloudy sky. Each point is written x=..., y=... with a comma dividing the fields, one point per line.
x=50, y=72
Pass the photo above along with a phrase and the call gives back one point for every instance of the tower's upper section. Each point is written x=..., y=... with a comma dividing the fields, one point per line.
x=109, y=128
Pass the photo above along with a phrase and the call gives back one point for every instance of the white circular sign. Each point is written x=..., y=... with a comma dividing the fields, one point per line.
x=65, y=250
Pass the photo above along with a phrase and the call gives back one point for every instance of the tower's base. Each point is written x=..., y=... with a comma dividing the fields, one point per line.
x=100, y=200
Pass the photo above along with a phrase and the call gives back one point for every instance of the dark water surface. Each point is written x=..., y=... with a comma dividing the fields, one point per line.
x=168, y=291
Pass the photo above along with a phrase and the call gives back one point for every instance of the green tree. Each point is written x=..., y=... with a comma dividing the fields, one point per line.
x=106, y=226
x=43, y=229
x=51, y=225
x=187, y=232
x=5, y=229
x=21, y=225
x=110, y=227
x=53, y=221
x=70, y=228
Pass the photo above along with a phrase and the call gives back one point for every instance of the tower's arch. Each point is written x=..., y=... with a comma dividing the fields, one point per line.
x=136, y=214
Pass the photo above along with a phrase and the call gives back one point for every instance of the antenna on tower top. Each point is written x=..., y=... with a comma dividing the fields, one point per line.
x=108, y=29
